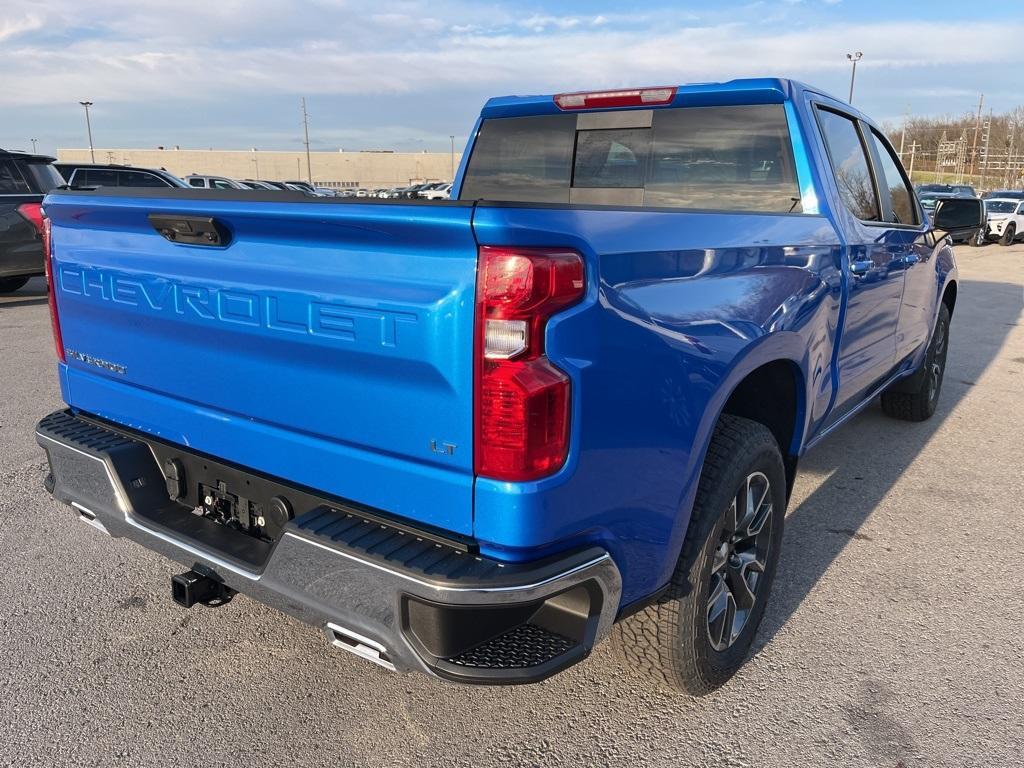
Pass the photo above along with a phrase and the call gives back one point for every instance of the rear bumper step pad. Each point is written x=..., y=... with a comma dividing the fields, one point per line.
x=417, y=600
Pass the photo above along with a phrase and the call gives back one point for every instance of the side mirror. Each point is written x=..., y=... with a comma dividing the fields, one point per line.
x=955, y=215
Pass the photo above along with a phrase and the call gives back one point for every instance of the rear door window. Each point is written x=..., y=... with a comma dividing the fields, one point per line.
x=850, y=165
x=718, y=158
x=11, y=180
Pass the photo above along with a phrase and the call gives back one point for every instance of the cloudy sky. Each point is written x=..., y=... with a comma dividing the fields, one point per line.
x=406, y=74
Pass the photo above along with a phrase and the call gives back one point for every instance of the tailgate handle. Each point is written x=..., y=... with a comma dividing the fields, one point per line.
x=190, y=230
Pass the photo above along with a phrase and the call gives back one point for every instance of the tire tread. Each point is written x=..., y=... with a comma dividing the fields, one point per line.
x=649, y=641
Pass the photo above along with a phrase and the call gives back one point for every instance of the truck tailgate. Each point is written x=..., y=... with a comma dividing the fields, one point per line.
x=327, y=343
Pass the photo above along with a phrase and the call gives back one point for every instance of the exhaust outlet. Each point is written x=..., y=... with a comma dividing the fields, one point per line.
x=88, y=517
x=363, y=647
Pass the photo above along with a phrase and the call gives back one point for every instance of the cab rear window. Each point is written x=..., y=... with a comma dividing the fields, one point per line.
x=737, y=158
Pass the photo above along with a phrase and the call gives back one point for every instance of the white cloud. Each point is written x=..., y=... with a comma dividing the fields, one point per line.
x=176, y=66
x=539, y=23
x=126, y=55
x=10, y=28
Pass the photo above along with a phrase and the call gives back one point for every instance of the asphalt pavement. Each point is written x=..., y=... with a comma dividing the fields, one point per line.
x=894, y=638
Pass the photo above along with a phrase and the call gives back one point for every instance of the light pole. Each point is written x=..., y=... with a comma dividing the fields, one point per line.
x=256, y=160
x=853, y=57
x=453, y=157
x=88, y=127
x=305, y=128
x=33, y=145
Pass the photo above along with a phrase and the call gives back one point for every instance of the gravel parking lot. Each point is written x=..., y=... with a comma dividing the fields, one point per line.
x=894, y=636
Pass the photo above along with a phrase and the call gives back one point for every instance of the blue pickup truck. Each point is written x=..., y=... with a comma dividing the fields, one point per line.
x=475, y=437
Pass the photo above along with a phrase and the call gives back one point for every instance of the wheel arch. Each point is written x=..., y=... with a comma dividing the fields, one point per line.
x=949, y=296
x=773, y=394
x=766, y=384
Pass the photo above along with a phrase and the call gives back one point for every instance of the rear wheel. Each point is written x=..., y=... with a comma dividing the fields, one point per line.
x=11, y=284
x=919, y=401
x=697, y=636
x=1009, y=235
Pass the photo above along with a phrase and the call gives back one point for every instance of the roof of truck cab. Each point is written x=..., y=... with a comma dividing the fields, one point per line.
x=766, y=90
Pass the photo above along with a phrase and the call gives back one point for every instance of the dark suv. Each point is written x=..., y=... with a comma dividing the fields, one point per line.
x=84, y=175
x=24, y=179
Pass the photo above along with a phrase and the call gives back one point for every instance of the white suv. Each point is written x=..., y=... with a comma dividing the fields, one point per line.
x=202, y=181
x=437, y=192
x=1004, y=221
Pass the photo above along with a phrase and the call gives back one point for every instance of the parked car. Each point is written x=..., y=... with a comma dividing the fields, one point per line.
x=212, y=182
x=325, y=191
x=958, y=190
x=1004, y=221
x=257, y=185
x=1004, y=194
x=24, y=179
x=413, y=192
x=571, y=404
x=81, y=175
x=304, y=186
x=437, y=192
x=270, y=186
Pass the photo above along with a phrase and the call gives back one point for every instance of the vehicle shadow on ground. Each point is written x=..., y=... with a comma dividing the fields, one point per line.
x=866, y=458
x=33, y=293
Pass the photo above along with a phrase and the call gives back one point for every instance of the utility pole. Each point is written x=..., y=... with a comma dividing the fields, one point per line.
x=903, y=135
x=453, y=156
x=974, y=144
x=88, y=127
x=1009, y=156
x=986, y=136
x=305, y=127
x=853, y=57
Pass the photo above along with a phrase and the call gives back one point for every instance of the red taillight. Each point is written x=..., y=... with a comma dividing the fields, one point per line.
x=522, y=400
x=631, y=97
x=33, y=212
x=51, y=288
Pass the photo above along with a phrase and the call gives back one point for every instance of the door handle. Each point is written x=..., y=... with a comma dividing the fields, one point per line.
x=861, y=267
